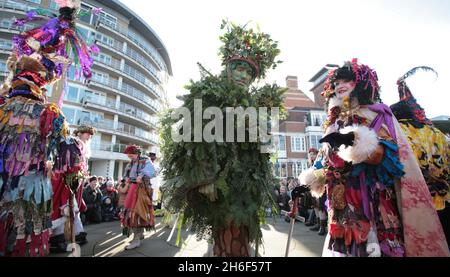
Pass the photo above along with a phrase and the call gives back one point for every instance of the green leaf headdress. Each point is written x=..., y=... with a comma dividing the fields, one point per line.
x=254, y=47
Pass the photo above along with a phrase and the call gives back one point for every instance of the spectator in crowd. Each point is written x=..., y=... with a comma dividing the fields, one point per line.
x=283, y=199
x=92, y=196
x=123, y=190
x=101, y=182
x=110, y=201
x=309, y=203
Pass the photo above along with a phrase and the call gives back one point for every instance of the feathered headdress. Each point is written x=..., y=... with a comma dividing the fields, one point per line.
x=42, y=55
x=366, y=79
x=74, y=4
x=408, y=108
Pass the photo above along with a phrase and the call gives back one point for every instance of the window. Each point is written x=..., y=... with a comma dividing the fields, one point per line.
x=103, y=58
x=104, y=39
x=100, y=77
x=49, y=91
x=53, y=5
x=69, y=113
x=34, y=1
x=298, y=144
x=72, y=94
x=317, y=119
x=314, y=141
x=85, y=18
x=71, y=73
x=282, y=145
x=281, y=169
x=108, y=20
x=304, y=165
x=96, y=139
x=5, y=44
x=297, y=169
x=3, y=67
x=90, y=118
x=284, y=170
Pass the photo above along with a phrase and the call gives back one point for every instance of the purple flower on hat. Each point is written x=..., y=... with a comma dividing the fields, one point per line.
x=95, y=49
x=97, y=11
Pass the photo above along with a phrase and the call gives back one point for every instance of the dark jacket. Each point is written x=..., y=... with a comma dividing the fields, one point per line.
x=93, y=200
x=283, y=198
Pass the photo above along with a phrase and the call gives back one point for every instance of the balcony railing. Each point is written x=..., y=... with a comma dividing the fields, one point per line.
x=134, y=56
x=123, y=128
x=104, y=102
x=103, y=124
x=109, y=104
x=7, y=25
x=6, y=47
x=112, y=63
x=130, y=90
x=109, y=147
x=132, y=130
x=125, y=32
x=140, y=79
x=111, y=83
x=127, y=90
x=15, y=6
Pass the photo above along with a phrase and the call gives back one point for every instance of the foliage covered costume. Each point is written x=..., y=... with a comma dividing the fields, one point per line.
x=430, y=147
x=31, y=130
x=379, y=204
x=223, y=188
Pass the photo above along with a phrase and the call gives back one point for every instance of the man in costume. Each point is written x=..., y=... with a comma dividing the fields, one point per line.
x=31, y=129
x=67, y=181
x=379, y=204
x=222, y=187
x=138, y=214
x=429, y=145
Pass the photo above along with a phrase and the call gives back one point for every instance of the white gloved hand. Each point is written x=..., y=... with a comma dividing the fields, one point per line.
x=373, y=246
x=373, y=249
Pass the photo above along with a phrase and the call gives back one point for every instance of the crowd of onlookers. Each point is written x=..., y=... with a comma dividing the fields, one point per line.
x=104, y=199
x=311, y=211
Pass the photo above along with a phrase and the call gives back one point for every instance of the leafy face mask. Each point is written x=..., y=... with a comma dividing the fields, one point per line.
x=240, y=72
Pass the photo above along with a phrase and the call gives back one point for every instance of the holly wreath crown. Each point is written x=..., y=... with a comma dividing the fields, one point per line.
x=254, y=47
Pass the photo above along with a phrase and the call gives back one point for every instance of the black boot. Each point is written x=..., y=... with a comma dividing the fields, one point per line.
x=309, y=223
x=316, y=227
x=323, y=228
x=58, y=244
x=81, y=238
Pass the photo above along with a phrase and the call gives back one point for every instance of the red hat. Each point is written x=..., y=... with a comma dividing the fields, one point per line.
x=314, y=150
x=132, y=149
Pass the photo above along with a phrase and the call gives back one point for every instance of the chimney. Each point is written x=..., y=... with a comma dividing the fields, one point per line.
x=292, y=82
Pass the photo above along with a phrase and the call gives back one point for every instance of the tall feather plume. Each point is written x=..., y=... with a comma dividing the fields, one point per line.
x=408, y=108
x=69, y=3
x=403, y=89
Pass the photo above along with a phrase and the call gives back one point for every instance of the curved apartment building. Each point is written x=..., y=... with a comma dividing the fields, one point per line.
x=129, y=79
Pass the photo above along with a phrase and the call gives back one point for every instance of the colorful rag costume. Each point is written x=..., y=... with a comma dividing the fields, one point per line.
x=69, y=172
x=379, y=204
x=430, y=146
x=31, y=131
x=138, y=213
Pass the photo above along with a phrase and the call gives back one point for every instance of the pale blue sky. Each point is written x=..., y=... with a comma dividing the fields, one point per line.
x=391, y=36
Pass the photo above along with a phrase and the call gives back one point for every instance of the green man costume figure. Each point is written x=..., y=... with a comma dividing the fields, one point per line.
x=223, y=187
